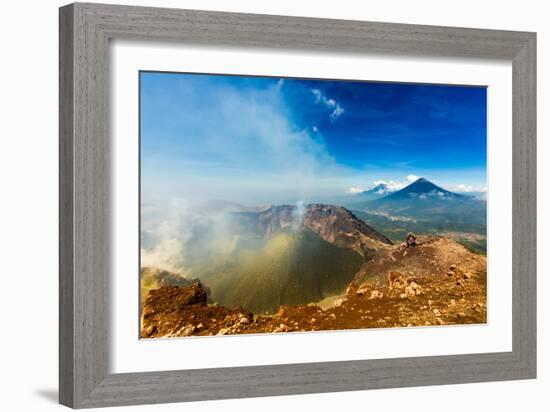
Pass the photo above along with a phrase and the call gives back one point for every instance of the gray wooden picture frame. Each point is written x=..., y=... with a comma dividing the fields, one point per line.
x=85, y=32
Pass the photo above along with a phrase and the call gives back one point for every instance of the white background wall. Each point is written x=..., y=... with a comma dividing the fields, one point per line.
x=28, y=206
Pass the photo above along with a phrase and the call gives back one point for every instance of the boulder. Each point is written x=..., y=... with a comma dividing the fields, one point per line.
x=376, y=295
x=352, y=288
x=363, y=290
x=172, y=297
x=396, y=280
x=413, y=289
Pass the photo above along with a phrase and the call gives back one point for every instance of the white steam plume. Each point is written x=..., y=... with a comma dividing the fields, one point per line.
x=298, y=215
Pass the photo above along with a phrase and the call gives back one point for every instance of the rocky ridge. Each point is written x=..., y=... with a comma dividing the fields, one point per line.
x=335, y=224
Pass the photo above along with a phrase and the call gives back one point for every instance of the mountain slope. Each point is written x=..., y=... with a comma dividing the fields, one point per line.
x=351, y=199
x=293, y=267
x=422, y=189
x=424, y=200
x=335, y=224
x=376, y=192
x=473, y=235
x=433, y=254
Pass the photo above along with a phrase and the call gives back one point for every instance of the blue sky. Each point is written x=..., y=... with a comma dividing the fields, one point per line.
x=271, y=140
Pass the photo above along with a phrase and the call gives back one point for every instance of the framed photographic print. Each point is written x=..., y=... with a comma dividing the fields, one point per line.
x=242, y=196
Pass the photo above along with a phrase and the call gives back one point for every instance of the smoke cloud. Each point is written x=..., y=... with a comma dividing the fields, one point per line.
x=298, y=215
x=181, y=232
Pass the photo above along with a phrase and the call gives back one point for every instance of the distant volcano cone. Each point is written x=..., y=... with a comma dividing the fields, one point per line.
x=425, y=201
x=422, y=189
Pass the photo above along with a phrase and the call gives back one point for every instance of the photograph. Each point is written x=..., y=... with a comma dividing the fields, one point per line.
x=280, y=205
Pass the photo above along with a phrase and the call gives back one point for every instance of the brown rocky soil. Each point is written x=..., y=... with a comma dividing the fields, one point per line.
x=172, y=311
x=431, y=255
x=435, y=282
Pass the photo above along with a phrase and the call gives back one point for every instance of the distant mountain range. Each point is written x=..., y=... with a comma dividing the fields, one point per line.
x=425, y=200
x=422, y=189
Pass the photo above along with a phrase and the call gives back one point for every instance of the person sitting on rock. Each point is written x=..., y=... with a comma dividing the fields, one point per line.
x=411, y=239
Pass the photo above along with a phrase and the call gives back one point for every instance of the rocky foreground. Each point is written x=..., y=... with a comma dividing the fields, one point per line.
x=428, y=294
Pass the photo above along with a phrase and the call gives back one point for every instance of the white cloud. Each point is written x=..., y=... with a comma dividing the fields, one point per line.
x=298, y=215
x=412, y=178
x=337, y=112
x=317, y=93
x=355, y=189
x=462, y=188
x=165, y=255
x=174, y=229
x=252, y=144
x=336, y=109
